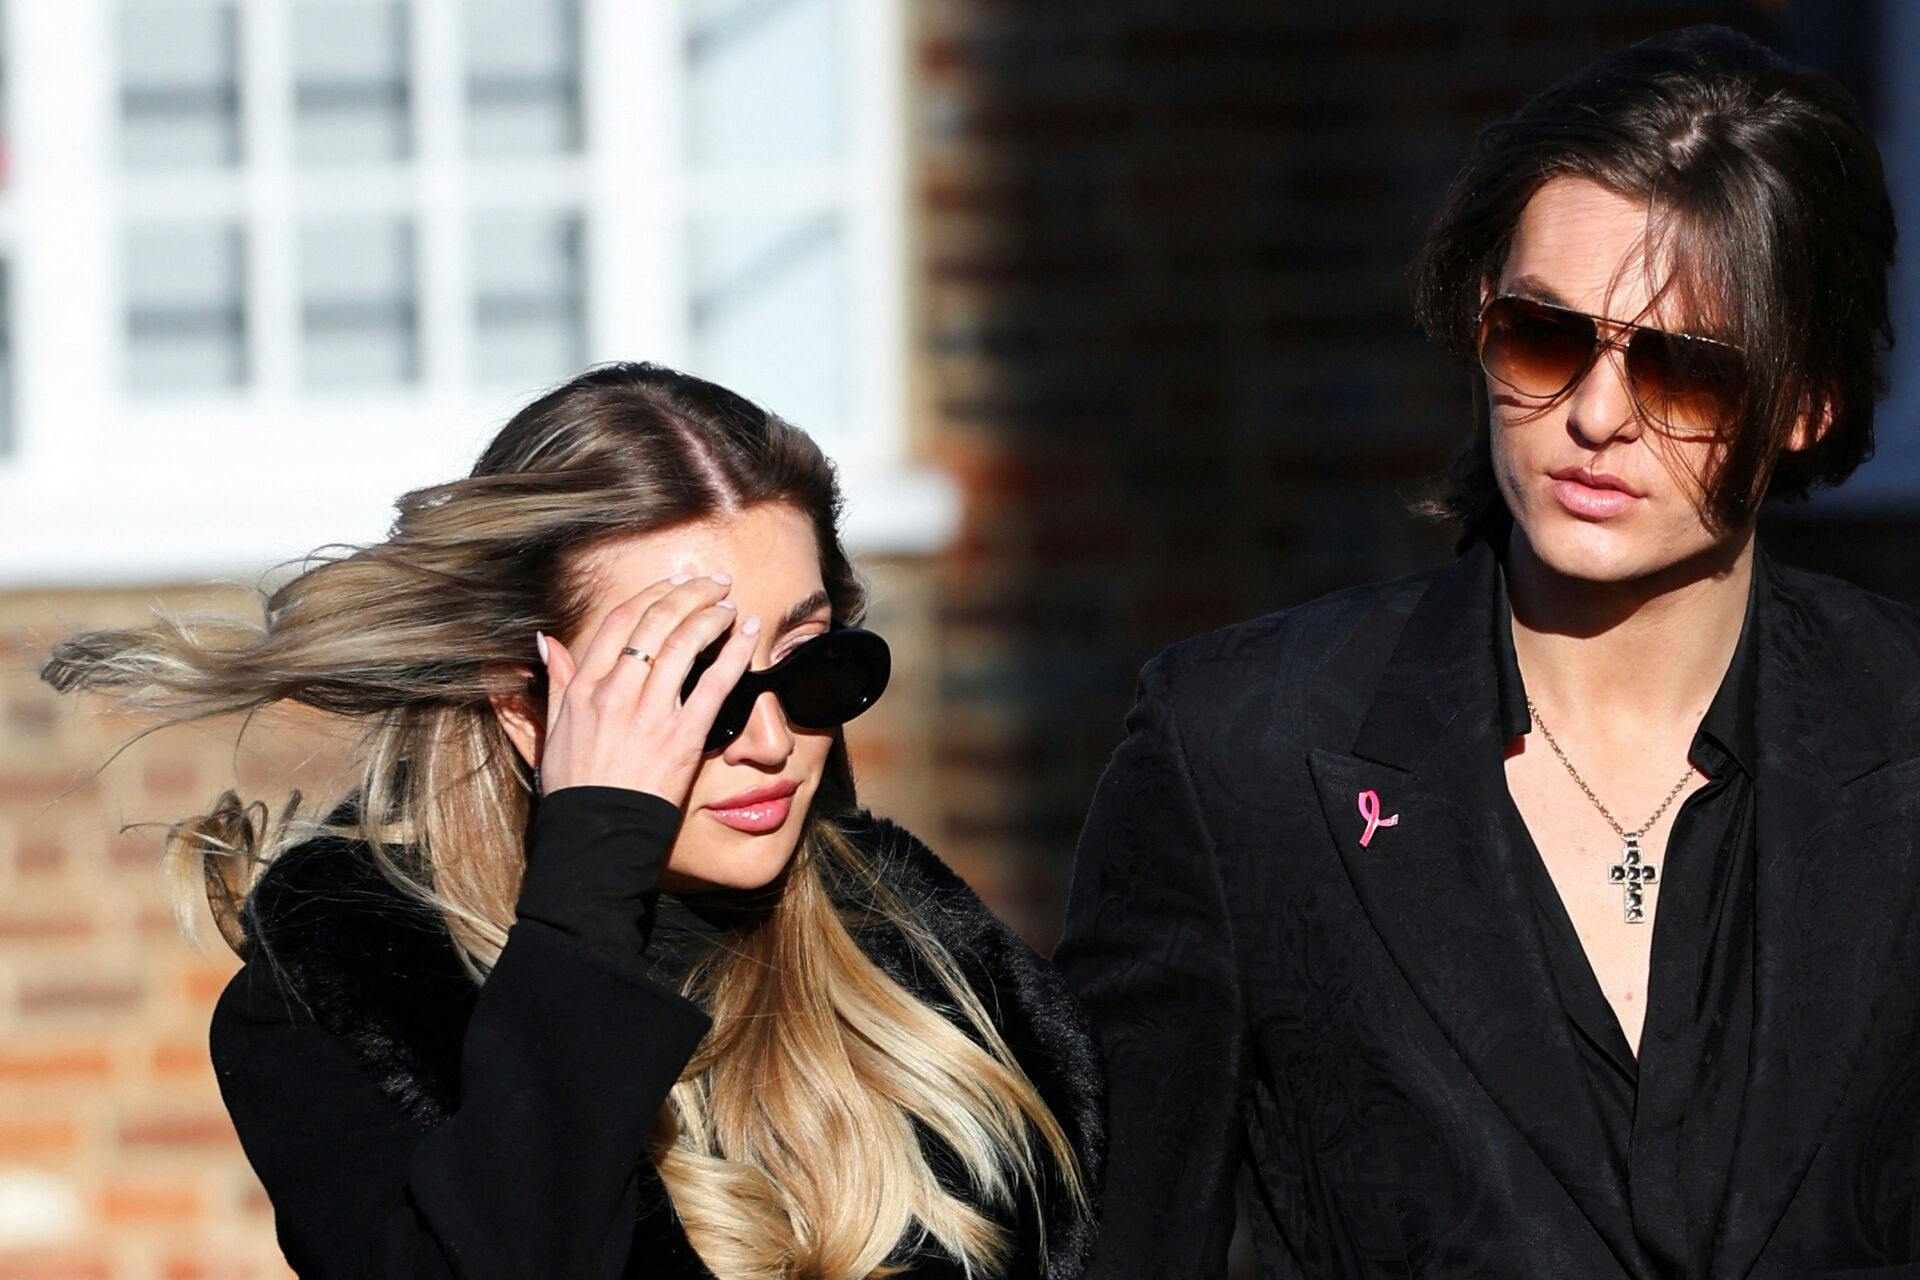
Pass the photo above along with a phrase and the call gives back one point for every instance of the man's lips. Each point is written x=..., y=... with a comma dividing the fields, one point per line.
x=1590, y=495
x=1592, y=479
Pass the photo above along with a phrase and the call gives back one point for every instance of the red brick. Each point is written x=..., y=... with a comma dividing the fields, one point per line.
x=201, y=986
x=54, y=1065
x=169, y=777
x=254, y=1202
x=43, y=926
x=55, y=1267
x=183, y=1268
x=181, y=1059
x=127, y=1203
x=871, y=752
x=38, y=855
x=44, y=786
x=136, y=850
x=30, y=1140
x=80, y=995
x=30, y=717
x=193, y=1130
x=157, y=924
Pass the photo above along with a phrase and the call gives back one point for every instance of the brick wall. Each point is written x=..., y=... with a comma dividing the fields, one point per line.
x=116, y=1156
x=1162, y=341
x=117, y=1160
x=1166, y=344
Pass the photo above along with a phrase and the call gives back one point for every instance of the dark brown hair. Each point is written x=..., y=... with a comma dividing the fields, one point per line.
x=1765, y=184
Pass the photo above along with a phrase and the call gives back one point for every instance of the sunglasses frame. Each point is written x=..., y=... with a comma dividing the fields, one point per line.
x=1607, y=333
x=774, y=678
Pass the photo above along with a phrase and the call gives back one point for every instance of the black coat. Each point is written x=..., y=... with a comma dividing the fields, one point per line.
x=1374, y=1033
x=405, y=1122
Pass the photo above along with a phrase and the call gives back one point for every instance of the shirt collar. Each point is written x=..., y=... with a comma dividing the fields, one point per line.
x=1729, y=722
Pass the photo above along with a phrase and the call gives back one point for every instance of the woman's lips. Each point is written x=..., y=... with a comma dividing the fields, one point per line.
x=1591, y=502
x=755, y=812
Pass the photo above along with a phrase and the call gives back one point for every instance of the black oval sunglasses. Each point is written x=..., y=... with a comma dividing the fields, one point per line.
x=822, y=684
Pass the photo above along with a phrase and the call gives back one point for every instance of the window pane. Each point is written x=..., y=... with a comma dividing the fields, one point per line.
x=763, y=81
x=179, y=85
x=769, y=313
x=351, y=91
x=186, y=307
x=6, y=359
x=523, y=76
x=359, y=311
x=6, y=74
x=530, y=314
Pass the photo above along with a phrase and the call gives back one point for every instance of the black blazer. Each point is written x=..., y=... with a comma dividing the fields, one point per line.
x=405, y=1122
x=1374, y=1033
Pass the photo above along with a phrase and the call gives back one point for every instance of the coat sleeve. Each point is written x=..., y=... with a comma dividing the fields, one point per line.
x=537, y=1173
x=569, y=1053
x=1148, y=949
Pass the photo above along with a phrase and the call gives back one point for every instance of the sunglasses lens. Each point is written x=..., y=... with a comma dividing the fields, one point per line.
x=733, y=714
x=822, y=684
x=1536, y=350
x=732, y=717
x=1686, y=384
x=835, y=678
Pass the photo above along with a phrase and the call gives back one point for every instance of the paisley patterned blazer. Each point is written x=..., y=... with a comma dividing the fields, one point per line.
x=1372, y=1033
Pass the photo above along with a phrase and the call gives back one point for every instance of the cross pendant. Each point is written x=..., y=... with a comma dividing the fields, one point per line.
x=1630, y=874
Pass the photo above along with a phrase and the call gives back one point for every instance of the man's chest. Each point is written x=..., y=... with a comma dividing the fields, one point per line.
x=1608, y=881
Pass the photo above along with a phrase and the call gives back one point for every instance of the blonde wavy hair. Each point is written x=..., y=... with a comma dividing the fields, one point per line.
x=815, y=1051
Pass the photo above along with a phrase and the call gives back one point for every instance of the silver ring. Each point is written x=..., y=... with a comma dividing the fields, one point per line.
x=632, y=652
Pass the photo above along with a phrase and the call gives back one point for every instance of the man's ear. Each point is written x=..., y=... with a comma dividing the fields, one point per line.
x=1805, y=434
x=524, y=718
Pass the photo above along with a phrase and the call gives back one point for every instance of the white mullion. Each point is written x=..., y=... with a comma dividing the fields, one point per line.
x=875, y=194
x=546, y=183
x=266, y=157
x=444, y=214
x=633, y=81
x=68, y=298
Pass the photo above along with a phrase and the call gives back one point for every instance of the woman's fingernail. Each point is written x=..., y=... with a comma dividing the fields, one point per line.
x=725, y=604
x=723, y=578
x=751, y=627
x=679, y=578
x=540, y=639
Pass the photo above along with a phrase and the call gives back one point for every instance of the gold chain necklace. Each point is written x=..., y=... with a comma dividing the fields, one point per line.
x=1630, y=873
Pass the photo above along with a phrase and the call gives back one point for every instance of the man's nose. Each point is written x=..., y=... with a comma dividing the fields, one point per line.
x=1601, y=405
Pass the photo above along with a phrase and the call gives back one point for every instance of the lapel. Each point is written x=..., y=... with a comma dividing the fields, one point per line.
x=1836, y=788
x=1444, y=890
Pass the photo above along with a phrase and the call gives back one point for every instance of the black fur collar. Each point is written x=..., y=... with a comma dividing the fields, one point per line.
x=382, y=974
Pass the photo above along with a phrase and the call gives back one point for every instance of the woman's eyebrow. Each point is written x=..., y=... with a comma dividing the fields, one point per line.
x=804, y=610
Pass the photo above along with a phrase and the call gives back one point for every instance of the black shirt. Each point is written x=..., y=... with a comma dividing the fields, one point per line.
x=1670, y=1117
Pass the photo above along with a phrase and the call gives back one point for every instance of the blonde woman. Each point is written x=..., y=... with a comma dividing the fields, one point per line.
x=600, y=971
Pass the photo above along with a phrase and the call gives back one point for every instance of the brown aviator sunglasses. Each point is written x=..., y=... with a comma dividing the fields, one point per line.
x=1688, y=385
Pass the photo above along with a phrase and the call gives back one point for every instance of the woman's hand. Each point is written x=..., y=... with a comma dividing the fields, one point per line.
x=615, y=720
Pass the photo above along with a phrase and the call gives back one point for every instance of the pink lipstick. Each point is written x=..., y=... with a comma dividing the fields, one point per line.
x=758, y=811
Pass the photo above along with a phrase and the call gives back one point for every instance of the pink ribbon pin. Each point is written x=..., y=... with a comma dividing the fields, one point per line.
x=1370, y=810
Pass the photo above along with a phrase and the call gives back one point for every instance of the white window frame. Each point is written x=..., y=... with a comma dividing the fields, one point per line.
x=93, y=488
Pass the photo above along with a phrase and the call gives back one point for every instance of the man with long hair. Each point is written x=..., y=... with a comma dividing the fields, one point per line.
x=1550, y=913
